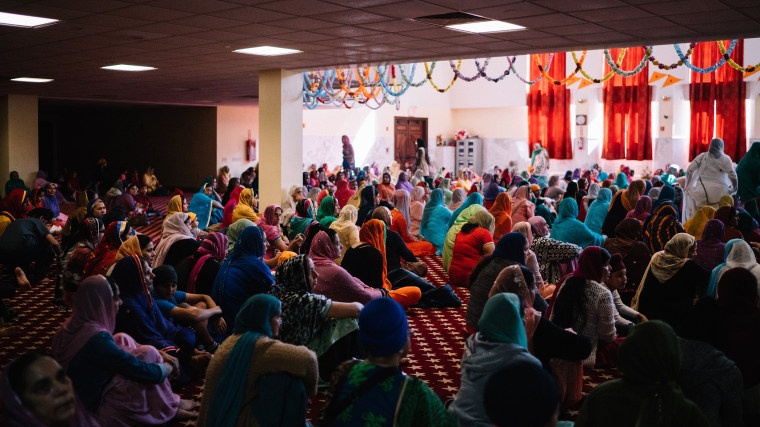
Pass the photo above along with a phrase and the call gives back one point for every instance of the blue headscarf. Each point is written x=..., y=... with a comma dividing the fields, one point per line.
x=667, y=194
x=602, y=176
x=383, y=327
x=511, y=246
x=598, y=209
x=568, y=229
x=621, y=181
x=492, y=191
x=252, y=322
x=202, y=205
x=501, y=320
x=435, y=218
x=472, y=199
x=242, y=275
x=712, y=287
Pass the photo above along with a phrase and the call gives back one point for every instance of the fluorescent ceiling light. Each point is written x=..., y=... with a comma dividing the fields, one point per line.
x=26, y=21
x=31, y=80
x=125, y=67
x=268, y=51
x=486, y=27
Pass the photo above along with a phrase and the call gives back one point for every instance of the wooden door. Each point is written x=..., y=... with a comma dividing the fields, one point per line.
x=406, y=131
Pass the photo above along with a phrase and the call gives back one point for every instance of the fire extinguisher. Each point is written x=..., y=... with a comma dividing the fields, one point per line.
x=250, y=151
x=580, y=143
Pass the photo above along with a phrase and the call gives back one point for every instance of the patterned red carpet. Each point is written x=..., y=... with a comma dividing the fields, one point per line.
x=437, y=343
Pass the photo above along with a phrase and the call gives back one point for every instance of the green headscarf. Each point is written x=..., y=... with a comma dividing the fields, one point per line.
x=501, y=320
x=234, y=230
x=326, y=211
x=252, y=322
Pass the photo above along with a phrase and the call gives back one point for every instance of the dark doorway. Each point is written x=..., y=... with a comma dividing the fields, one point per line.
x=406, y=131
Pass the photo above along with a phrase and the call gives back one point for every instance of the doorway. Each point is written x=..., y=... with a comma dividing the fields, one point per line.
x=406, y=131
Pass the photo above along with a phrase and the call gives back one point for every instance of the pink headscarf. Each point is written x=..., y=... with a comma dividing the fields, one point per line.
x=230, y=206
x=590, y=264
x=93, y=312
x=539, y=225
x=401, y=203
x=524, y=229
x=213, y=246
x=642, y=209
x=343, y=193
x=268, y=224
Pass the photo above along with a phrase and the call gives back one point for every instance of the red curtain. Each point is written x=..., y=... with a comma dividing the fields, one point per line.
x=549, y=110
x=718, y=98
x=627, y=111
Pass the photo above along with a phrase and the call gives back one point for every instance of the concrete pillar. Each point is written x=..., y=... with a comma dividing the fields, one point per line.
x=280, y=134
x=19, y=145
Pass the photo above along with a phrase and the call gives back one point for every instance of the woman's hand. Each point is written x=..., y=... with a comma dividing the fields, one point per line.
x=220, y=325
x=531, y=319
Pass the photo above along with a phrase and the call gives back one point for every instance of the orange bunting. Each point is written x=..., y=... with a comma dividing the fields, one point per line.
x=656, y=76
x=671, y=80
x=585, y=83
x=572, y=80
x=750, y=73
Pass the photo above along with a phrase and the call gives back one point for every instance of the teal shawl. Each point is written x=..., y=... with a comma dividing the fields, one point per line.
x=597, y=211
x=568, y=229
x=326, y=212
x=435, y=219
x=472, y=199
x=501, y=320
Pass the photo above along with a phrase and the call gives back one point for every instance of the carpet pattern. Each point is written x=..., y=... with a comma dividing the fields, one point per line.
x=437, y=343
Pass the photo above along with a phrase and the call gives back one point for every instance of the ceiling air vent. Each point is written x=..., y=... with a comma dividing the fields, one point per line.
x=452, y=18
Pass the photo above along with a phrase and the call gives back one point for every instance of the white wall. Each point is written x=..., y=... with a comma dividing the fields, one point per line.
x=232, y=127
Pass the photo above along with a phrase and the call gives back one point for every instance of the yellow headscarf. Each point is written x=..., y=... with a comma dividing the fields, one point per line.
x=726, y=200
x=130, y=247
x=244, y=209
x=696, y=224
x=174, y=206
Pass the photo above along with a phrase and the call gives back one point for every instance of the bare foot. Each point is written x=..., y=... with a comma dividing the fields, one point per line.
x=9, y=331
x=200, y=361
x=21, y=278
x=184, y=414
x=187, y=404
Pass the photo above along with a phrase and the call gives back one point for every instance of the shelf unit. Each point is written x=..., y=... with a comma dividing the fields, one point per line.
x=469, y=155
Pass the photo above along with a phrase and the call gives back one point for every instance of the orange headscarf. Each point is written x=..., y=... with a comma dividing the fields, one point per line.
x=502, y=213
x=373, y=232
x=630, y=196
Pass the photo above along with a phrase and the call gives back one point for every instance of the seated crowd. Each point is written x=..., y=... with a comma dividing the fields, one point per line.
x=655, y=276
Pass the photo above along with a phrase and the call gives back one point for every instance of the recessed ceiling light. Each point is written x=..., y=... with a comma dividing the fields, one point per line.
x=31, y=80
x=268, y=51
x=486, y=27
x=125, y=67
x=26, y=21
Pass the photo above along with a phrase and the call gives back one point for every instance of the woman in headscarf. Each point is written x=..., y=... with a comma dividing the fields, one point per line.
x=51, y=201
x=738, y=254
x=710, y=248
x=456, y=227
x=587, y=200
x=748, y=188
x=502, y=213
x=456, y=199
x=663, y=224
x=585, y=304
x=104, y=255
x=502, y=339
x=119, y=381
x=342, y=192
x=696, y=224
x=69, y=235
x=269, y=223
x=740, y=331
x=13, y=207
x=572, y=192
x=417, y=210
x=555, y=258
x=177, y=241
x=531, y=261
x=621, y=181
x=302, y=219
x=568, y=229
x=242, y=275
x=196, y=274
x=473, y=242
x=447, y=193
x=435, y=219
x=338, y=284
x=15, y=183
x=233, y=233
x=622, y=203
x=255, y=379
x=326, y=211
x=348, y=232
x=627, y=242
x=472, y=199
x=490, y=193
x=522, y=207
x=208, y=210
x=403, y=183
x=648, y=393
x=597, y=212
x=176, y=204
x=386, y=188
x=72, y=262
x=246, y=207
x=400, y=224
x=709, y=176
x=625, y=317
x=642, y=210
x=539, y=160
x=672, y=284
x=141, y=318
x=369, y=200
x=504, y=272
x=327, y=327
x=728, y=216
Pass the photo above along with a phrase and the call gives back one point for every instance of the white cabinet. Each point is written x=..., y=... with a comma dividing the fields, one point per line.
x=469, y=155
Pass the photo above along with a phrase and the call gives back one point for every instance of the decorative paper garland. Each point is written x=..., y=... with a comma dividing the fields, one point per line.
x=482, y=71
x=579, y=66
x=478, y=75
x=528, y=82
x=546, y=75
x=430, y=78
x=409, y=80
x=673, y=66
x=614, y=67
x=711, y=68
x=737, y=67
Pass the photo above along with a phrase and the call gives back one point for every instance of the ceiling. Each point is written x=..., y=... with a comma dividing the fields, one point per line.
x=191, y=42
